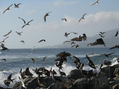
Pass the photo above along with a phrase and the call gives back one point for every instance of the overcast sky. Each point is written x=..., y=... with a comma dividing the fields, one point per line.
x=101, y=17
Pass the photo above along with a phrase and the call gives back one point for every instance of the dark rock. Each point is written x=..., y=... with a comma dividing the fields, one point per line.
x=75, y=74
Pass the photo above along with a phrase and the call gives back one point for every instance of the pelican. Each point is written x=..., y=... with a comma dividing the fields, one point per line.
x=82, y=18
x=8, y=8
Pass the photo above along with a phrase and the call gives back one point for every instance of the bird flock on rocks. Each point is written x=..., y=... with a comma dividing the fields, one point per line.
x=60, y=57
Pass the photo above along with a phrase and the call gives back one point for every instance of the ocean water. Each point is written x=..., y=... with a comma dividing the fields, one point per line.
x=21, y=58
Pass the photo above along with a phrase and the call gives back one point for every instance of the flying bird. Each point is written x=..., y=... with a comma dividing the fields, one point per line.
x=94, y=3
x=47, y=14
x=101, y=34
x=17, y=5
x=8, y=8
x=99, y=41
x=90, y=63
x=116, y=34
x=8, y=33
x=83, y=17
x=25, y=23
x=4, y=39
x=22, y=41
x=42, y=40
x=64, y=19
x=19, y=33
x=8, y=80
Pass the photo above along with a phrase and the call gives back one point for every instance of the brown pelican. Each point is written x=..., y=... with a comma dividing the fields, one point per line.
x=94, y=3
x=25, y=23
x=82, y=18
x=47, y=14
x=8, y=80
x=8, y=33
x=7, y=8
x=17, y=5
x=99, y=41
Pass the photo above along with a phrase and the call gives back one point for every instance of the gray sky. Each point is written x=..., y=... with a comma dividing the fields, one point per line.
x=101, y=17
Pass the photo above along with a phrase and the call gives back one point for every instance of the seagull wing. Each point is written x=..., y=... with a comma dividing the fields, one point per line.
x=22, y=20
x=7, y=8
x=7, y=33
x=30, y=21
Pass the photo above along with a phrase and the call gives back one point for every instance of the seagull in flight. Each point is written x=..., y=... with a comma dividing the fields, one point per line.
x=47, y=14
x=64, y=19
x=8, y=8
x=94, y=3
x=17, y=5
x=19, y=33
x=41, y=40
x=8, y=33
x=82, y=18
x=25, y=23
